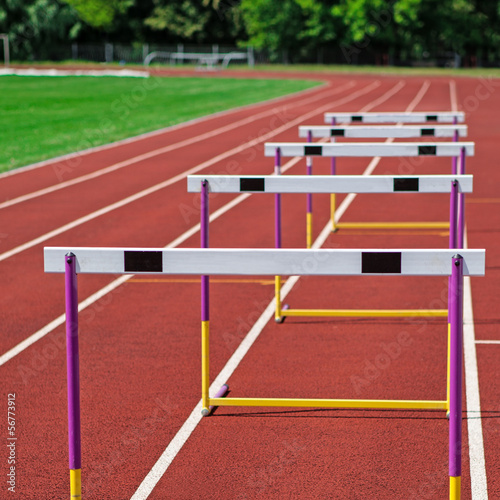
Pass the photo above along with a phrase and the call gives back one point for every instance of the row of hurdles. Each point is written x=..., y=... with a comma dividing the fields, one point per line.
x=454, y=262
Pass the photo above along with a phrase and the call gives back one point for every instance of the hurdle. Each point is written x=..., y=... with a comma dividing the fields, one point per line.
x=382, y=131
x=326, y=262
x=277, y=184
x=372, y=132
x=369, y=149
x=396, y=117
x=391, y=117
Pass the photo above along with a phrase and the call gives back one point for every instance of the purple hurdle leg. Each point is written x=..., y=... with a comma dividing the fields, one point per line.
x=277, y=201
x=454, y=159
x=461, y=205
x=205, y=313
x=205, y=298
x=309, y=199
x=73, y=374
x=452, y=244
x=333, y=171
x=277, y=239
x=453, y=214
x=456, y=349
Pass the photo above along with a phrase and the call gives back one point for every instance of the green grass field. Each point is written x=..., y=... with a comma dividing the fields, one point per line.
x=43, y=117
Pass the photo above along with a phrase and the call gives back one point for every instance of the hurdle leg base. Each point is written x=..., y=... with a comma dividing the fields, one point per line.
x=281, y=319
x=75, y=477
x=205, y=412
x=455, y=483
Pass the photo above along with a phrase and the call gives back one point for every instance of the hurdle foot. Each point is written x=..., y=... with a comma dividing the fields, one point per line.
x=205, y=412
x=280, y=319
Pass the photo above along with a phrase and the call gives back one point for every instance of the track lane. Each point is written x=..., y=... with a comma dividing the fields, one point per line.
x=46, y=347
x=109, y=460
x=110, y=232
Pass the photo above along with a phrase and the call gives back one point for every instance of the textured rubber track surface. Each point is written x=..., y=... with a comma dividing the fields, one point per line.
x=139, y=344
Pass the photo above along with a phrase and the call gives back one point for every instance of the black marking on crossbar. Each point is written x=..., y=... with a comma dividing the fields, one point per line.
x=427, y=150
x=313, y=150
x=427, y=131
x=431, y=118
x=340, y=132
x=138, y=261
x=381, y=262
x=356, y=118
x=252, y=184
x=406, y=184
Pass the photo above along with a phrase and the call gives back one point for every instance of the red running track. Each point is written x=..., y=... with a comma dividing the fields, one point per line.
x=139, y=343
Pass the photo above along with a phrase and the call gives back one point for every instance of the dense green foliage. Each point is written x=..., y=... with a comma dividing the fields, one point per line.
x=43, y=117
x=291, y=30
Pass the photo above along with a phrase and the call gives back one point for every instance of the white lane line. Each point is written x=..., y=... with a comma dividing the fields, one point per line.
x=179, y=177
x=163, y=150
x=122, y=279
x=479, y=485
x=147, y=135
x=182, y=435
x=453, y=95
x=490, y=342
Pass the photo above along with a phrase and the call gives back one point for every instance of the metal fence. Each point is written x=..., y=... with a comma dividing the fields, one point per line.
x=333, y=54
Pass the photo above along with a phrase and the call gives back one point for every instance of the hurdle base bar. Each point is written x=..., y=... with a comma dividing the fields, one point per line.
x=393, y=225
x=75, y=480
x=332, y=403
x=220, y=394
x=367, y=313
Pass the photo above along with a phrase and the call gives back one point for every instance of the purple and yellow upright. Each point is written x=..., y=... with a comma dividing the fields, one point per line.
x=333, y=171
x=205, y=315
x=456, y=354
x=309, y=199
x=73, y=374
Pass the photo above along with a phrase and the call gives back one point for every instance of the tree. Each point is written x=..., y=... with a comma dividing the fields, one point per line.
x=36, y=27
x=296, y=27
x=208, y=21
x=369, y=25
x=99, y=13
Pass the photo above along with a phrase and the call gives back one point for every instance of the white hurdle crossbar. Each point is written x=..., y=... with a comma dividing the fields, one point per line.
x=263, y=261
x=204, y=262
x=396, y=117
x=381, y=131
x=329, y=183
x=370, y=149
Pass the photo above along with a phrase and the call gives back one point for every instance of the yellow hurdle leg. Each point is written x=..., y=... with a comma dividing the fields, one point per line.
x=205, y=376
x=309, y=230
x=332, y=211
x=454, y=488
x=277, y=294
x=75, y=481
